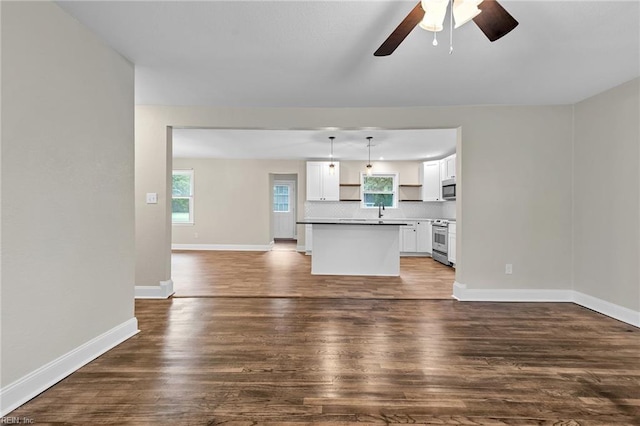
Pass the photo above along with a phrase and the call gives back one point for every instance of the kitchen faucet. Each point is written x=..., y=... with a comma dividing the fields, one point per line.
x=380, y=208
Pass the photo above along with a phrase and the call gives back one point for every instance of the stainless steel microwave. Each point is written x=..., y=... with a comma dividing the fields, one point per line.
x=449, y=189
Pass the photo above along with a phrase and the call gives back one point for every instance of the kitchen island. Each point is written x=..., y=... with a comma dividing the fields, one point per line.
x=355, y=247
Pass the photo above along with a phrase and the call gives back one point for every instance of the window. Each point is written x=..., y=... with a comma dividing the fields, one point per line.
x=379, y=188
x=182, y=196
x=281, y=198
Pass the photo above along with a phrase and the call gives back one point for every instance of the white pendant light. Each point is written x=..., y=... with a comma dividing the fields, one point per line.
x=332, y=167
x=465, y=10
x=369, y=166
x=434, y=13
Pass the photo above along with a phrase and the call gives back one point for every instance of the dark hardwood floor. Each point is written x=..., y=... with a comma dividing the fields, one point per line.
x=355, y=360
x=283, y=272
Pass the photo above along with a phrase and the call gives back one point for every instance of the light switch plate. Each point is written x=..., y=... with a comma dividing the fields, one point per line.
x=152, y=198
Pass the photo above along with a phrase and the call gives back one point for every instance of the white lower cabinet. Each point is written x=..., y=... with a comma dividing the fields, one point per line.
x=423, y=236
x=408, y=239
x=452, y=243
x=416, y=237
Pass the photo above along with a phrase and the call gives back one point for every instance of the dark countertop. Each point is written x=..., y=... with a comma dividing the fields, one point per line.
x=376, y=222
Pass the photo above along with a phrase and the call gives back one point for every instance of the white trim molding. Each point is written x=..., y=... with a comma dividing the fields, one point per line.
x=626, y=315
x=22, y=390
x=224, y=247
x=162, y=291
x=463, y=294
x=607, y=308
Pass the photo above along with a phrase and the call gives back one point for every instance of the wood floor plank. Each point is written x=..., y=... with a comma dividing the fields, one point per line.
x=262, y=342
x=200, y=361
x=286, y=273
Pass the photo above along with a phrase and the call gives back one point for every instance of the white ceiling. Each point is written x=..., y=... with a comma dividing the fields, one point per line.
x=320, y=54
x=391, y=145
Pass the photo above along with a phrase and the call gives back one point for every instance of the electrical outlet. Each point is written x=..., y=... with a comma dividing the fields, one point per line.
x=195, y=235
x=508, y=269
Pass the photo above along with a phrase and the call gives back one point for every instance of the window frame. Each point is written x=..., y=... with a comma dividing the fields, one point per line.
x=274, y=204
x=394, y=193
x=190, y=197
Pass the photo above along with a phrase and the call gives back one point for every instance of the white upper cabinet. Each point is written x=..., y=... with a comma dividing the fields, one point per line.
x=321, y=184
x=431, y=182
x=448, y=167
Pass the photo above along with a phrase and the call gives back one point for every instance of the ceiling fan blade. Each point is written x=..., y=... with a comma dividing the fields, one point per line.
x=494, y=21
x=401, y=32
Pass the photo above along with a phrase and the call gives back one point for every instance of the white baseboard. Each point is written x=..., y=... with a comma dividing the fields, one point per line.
x=225, y=247
x=607, y=308
x=462, y=293
x=22, y=390
x=300, y=248
x=162, y=291
x=626, y=315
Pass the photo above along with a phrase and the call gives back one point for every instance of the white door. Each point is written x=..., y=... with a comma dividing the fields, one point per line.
x=284, y=215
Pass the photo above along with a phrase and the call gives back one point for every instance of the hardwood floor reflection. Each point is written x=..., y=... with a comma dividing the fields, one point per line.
x=286, y=361
x=286, y=273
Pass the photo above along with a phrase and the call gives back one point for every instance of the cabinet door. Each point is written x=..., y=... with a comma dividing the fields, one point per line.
x=409, y=239
x=321, y=184
x=331, y=182
x=423, y=237
x=314, y=181
x=451, y=167
x=431, y=184
x=452, y=248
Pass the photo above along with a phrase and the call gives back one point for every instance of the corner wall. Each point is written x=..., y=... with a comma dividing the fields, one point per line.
x=606, y=213
x=67, y=199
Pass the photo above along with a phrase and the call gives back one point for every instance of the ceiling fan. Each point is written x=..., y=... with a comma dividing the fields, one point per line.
x=494, y=21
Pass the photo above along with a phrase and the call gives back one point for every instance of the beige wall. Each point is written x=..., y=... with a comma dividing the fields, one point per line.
x=67, y=187
x=515, y=174
x=232, y=203
x=606, y=218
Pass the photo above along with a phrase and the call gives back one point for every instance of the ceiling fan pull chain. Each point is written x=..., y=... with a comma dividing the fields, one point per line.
x=435, y=39
x=451, y=27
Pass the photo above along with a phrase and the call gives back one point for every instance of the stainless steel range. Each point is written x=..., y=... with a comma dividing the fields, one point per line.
x=440, y=239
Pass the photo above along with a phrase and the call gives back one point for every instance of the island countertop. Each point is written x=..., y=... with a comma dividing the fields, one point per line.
x=377, y=222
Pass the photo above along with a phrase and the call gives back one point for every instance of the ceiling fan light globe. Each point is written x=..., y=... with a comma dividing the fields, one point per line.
x=434, y=14
x=465, y=10
x=431, y=27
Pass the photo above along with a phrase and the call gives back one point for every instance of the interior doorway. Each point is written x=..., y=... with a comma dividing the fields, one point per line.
x=283, y=207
